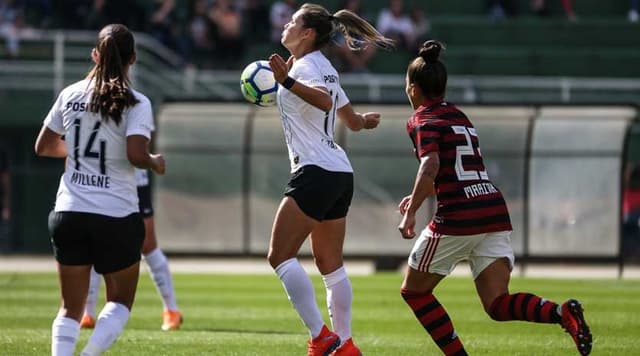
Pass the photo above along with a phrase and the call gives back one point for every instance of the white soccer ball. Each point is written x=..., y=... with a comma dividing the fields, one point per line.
x=258, y=85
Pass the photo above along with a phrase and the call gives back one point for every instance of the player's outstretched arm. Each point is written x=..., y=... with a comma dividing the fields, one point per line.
x=356, y=121
x=139, y=156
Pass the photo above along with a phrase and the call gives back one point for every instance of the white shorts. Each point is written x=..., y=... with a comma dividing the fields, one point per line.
x=439, y=254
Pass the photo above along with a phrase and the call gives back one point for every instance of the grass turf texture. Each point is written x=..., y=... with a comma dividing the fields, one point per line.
x=250, y=315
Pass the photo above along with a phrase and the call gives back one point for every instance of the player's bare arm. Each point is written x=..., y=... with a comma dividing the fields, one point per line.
x=316, y=96
x=422, y=189
x=139, y=156
x=50, y=144
x=356, y=121
x=424, y=186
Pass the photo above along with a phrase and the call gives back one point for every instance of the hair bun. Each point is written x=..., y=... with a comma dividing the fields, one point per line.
x=430, y=51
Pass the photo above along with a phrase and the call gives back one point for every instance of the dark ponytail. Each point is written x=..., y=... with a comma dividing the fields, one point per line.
x=354, y=28
x=111, y=92
x=427, y=71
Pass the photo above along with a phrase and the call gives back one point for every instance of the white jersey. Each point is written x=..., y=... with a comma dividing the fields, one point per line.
x=308, y=131
x=142, y=177
x=98, y=177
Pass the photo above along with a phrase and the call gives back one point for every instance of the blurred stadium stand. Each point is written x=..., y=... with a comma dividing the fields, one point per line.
x=555, y=103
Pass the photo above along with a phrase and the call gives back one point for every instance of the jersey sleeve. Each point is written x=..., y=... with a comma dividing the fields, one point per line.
x=342, y=98
x=53, y=120
x=426, y=139
x=140, y=119
x=307, y=73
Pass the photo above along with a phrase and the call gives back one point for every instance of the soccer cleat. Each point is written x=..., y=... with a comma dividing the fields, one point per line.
x=347, y=349
x=323, y=344
x=573, y=322
x=171, y=320
x=87, y=322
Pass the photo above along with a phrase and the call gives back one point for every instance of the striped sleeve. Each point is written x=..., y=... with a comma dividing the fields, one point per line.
x=426, y=139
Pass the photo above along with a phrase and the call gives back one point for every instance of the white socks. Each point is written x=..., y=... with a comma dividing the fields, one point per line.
x=109, y=326
x=301, y=294
x=92, y=296
x=64, y=334
x=159, y=270
x=339, y=297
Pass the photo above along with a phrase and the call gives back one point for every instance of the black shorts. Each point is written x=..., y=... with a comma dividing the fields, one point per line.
x=321, y=194
x=109, y=244
x=144, y=201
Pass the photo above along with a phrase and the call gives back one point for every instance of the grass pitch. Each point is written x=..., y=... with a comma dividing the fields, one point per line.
x=250, y=315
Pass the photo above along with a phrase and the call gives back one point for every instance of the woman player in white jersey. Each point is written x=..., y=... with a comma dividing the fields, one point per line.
x=102, y=127
x=319, y=193
x=155, y=259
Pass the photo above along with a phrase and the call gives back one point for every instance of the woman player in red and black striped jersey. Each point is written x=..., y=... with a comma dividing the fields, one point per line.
x=471, y=222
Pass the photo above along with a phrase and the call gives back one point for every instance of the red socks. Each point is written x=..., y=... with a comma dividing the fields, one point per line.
x=435, y=320
x=524, y=306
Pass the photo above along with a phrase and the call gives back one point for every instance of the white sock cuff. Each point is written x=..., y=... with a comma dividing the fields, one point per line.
x=281, y=268
x=115, y=311
x=155, y=258
x=335, y=277
x=66, y=326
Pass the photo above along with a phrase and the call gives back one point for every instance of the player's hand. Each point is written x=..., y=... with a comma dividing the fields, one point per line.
x=404, y=204
x=158, y=164
x=279, y=67
x=290, y=62
x=371, y=120
x=407, y=226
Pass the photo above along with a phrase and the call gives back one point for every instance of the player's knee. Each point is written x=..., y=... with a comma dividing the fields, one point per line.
x=275, y=258
x=327, y=265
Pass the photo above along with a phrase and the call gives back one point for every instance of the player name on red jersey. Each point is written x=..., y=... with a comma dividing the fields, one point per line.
x=468, y=202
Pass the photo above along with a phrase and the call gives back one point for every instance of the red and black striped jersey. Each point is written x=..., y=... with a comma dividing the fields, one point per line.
x=468, y=203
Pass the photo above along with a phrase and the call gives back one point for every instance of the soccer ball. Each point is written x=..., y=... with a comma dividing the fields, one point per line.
x=258, y=85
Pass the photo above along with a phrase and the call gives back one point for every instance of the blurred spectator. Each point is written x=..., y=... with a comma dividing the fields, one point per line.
x=72, y=14
x=394, y=23
x=11, y=21
x=5, y=200
x=343, y=58
x=104, y=12
x=633, y=11
x=421, y=25
x=256, y=20
x=201, y=49
x=501, y=9
x=227, y=29
x=38, y=13
x=96, y=16
x=541, y=8
x=162, y=21
x=280, y=14
x=165, y=26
